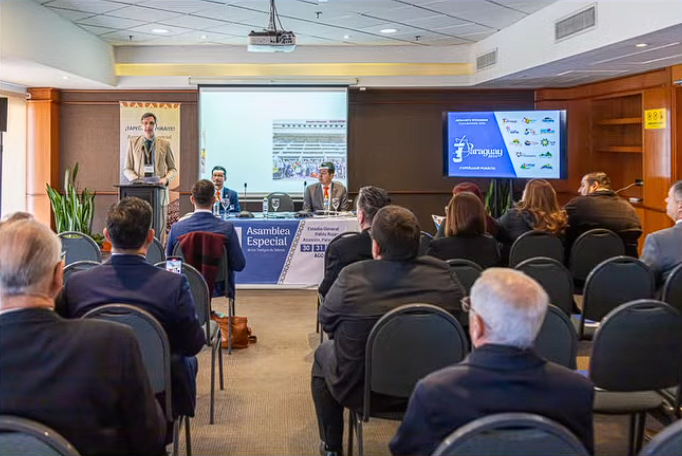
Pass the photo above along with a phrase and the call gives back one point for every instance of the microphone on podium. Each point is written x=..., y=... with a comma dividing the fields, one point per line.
x=245, y=213
x=636, y=183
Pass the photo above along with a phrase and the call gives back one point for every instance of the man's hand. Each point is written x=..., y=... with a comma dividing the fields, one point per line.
x=163, y=181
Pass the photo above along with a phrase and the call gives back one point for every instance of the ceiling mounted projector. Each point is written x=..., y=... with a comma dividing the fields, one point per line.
x=272, y=39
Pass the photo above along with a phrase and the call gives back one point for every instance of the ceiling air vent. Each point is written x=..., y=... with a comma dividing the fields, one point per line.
x=578, y=22
x=486, y=60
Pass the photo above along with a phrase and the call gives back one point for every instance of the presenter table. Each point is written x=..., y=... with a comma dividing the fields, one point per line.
x=287, y=251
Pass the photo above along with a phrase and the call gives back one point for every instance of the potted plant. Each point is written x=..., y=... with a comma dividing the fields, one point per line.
x=73, y=209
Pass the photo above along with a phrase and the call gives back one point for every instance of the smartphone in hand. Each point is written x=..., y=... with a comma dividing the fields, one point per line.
x=174, y=265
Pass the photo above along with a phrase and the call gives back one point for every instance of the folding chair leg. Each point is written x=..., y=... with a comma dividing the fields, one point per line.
x=631, y=434
x=351, y=429
x=361, y=446
x=176, y=436
x=640, y=420
x=220, y=363
x=211, y=418
x=188, y=437
x=230, y=314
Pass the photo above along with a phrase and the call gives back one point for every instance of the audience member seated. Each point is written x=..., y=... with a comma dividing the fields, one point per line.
x=363, y=292
x=599, y=207
x=490, y=223
x=83, y=378
x=203, y=220
x=128, y=278
x=662, y=250
x=465, y=234
x=349, y=250
x=15, y=216
x=326, y=188
x=502, y=374
x=538, y=210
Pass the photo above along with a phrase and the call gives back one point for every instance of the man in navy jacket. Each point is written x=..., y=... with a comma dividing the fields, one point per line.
x=219, y=176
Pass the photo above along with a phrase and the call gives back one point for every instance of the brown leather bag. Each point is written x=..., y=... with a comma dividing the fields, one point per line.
x=241, y=333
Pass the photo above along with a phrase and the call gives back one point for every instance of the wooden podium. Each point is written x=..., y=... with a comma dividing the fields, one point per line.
x=151, y=193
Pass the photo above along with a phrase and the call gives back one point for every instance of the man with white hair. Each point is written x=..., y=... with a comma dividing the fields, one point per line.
x=502, y=374
x=83, y=378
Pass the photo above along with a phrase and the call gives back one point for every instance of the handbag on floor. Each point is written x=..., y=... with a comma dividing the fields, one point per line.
x=241, y=332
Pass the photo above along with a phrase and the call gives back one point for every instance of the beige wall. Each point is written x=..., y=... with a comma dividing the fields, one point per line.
x=14, y=155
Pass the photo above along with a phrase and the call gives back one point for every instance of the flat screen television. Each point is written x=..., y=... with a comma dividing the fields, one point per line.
x=505, y=144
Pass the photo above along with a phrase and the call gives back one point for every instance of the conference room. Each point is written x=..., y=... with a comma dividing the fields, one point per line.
x=410, y=96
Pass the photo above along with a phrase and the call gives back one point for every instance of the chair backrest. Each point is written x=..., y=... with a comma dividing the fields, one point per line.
x=152, y=340
x=424, y=242
x=638, y=348
x=338, y=237
x=533, y=244
x=466, y=271
x=557, y=340
x=666, y=443
x=591, y=248
x=223, y=272
x=79, y=246
x=672, y=288
x=200, y=293
x=286, y=204
x=511, y=434
x=630, y=238
x=406, y=344
x=614, y=282
x=554, y=278
x=156, y=252
x=23, y=436
x=78, y=266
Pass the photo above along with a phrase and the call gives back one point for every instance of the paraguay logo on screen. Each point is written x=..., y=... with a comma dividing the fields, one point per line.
x=464, y=148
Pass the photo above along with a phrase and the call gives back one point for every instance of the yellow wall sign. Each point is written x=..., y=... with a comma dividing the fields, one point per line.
x=654, y=119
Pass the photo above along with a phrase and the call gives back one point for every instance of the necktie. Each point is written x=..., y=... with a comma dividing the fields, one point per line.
x=326, y=192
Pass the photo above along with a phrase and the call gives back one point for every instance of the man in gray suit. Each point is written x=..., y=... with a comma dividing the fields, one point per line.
x=663, y=249
x=315, y=195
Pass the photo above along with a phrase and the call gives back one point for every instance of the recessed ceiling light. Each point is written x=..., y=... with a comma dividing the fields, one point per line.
x=388, y=30
x=345, y=37
x=65, y=77
x=204, y=37
x=160, y=31
x=641, y=45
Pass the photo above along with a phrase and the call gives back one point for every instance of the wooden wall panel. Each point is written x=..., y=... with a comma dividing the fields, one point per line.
x=657, y=152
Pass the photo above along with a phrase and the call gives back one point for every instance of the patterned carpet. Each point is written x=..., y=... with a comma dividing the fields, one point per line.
x=266, y=407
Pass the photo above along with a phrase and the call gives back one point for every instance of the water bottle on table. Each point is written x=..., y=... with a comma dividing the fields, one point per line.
x=326, y=203
x=265, y=207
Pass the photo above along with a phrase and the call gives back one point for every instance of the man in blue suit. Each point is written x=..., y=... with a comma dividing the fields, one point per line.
x=219, y=176
x=129, y=279
x=203, y=220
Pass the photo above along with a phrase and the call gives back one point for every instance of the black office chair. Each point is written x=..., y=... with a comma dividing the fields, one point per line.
x=672, y=288
x=79, y=246
x=24, y=436
x=466, y=271
x=155, y=350
x=156, y=252
x=557, y=340
x=630, y=240
x=613, y=282
x=636, y=351
x=78, y=266
x=320, y=298
x=666, y=443
x=511, y=434
x=202, y=304
x=405, y=345
x=591, y=248
x=286, y=204
x=536, y=244
x=424, y=242
x=554, y=278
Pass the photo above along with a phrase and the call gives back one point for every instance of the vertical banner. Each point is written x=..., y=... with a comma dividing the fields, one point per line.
x=167, y=127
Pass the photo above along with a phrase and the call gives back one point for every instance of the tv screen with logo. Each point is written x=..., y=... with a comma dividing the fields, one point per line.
x=505, y=144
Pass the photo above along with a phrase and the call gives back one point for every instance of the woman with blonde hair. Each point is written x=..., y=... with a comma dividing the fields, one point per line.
x=538, y=210
x=465, y=233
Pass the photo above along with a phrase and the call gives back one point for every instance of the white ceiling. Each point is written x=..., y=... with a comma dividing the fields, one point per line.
x=315, y=22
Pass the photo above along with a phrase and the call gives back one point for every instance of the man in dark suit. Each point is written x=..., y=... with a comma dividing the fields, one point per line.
x=600, y=207
x=203, y=220
x=502, y=374
x=128, y=278
x=663, y=249
x=325, y=190
x=219, y=176
x=362, y=294
x=83, y=378
x=350, y=249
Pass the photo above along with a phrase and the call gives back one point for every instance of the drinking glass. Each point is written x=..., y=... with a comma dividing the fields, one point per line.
x=335, y=204
x=225, y=202
x=275, y=204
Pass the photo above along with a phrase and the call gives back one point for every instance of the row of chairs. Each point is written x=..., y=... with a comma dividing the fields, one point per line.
x=81, y=247
x=637, y=351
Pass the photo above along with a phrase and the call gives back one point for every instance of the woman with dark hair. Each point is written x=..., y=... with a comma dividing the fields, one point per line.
x=465, y=233
x=537, y=210
x=490, y=223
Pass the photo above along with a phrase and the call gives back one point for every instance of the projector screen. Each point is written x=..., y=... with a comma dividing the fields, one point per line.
x=505, y=144
x=272, y=138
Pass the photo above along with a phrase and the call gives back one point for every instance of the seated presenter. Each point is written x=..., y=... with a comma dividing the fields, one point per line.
x=219, y=176
x=326, y=189
x=149, y=156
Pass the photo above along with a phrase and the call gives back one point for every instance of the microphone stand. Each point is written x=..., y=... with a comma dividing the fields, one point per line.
x=244, y=213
